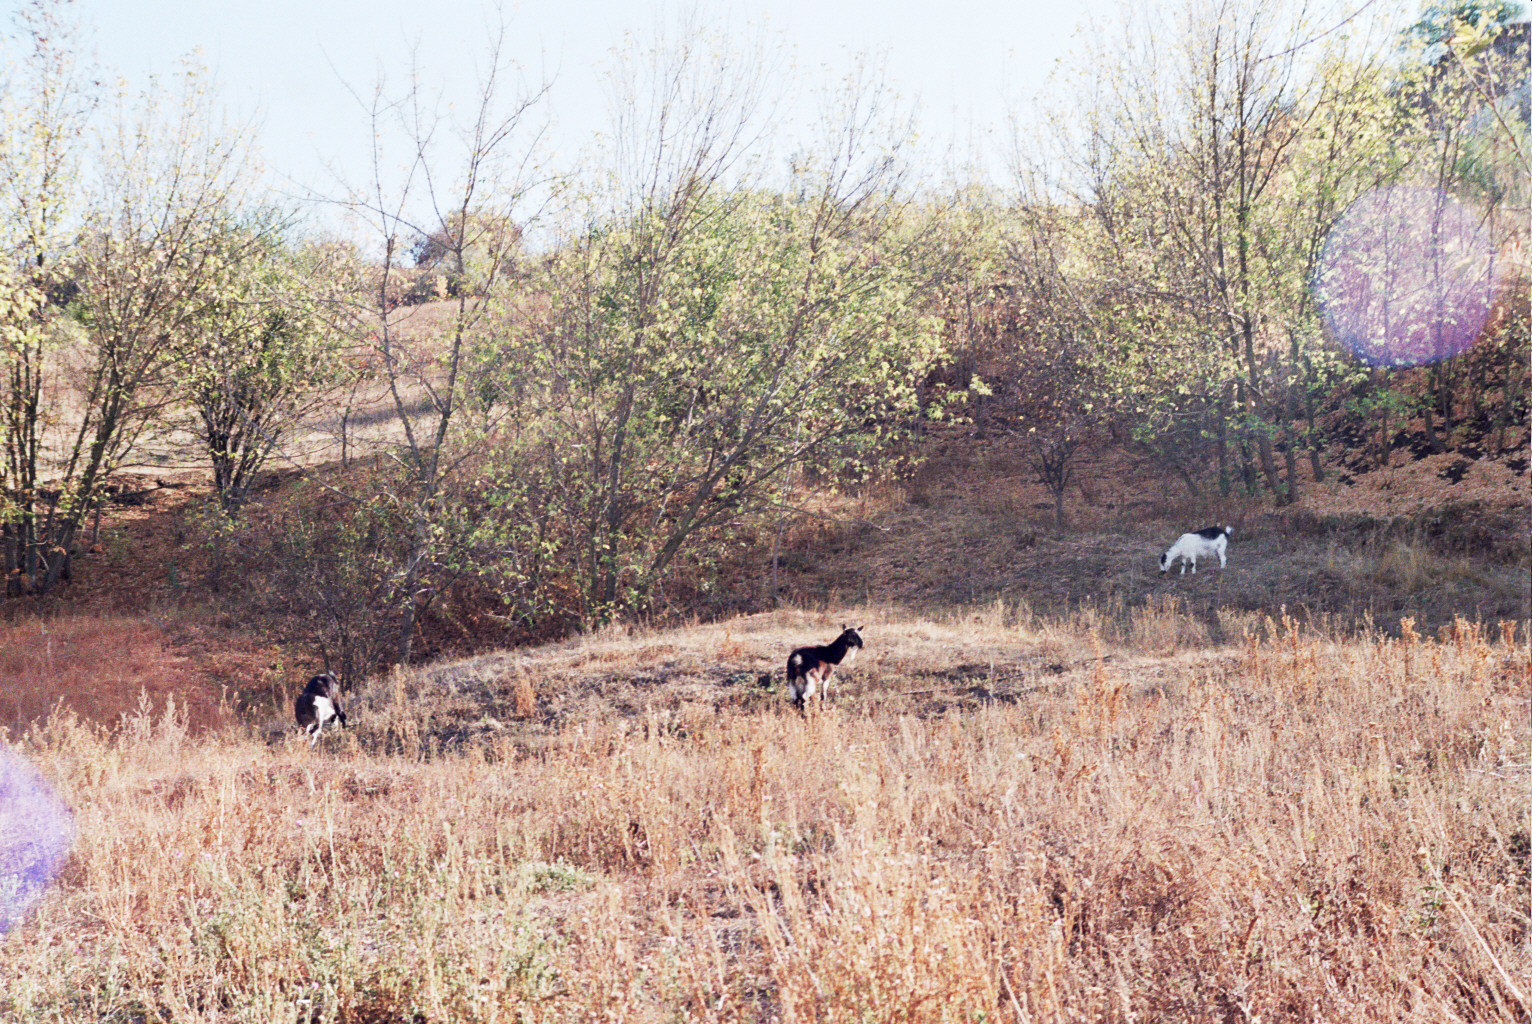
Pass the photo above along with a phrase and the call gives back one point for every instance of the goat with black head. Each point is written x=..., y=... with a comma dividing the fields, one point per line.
x=316, y=706
x=1205, y=543
x=810, y=668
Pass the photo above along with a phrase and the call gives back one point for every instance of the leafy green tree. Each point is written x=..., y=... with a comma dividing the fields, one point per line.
x=1218, y=143
x=1462, y=94
x=704, y=339
x=469, y=250
x=261, y=352
x=44, y=107
x=466, y=184
x=1347, y=149
x=105, y=233
x=330, y=585
x=171, y=174
x=1051, y=370
x=1462, y=28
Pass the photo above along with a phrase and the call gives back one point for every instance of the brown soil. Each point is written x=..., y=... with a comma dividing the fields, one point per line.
x=133, y=623
x=973, y=525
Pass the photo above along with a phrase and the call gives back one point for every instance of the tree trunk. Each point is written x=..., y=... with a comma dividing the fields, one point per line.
x=59, y=563
x=1254, y=414
x=1291, y=452
x=407, y=630
x=1434, y=379
x=776, y=540
x=1444, y=397
x=1186, y=478
x=1269, y=465
x=1313, y=438
x=1247, y=468
x=1383, y=443
x=1508, y=397
x=420, y=547
x=1223, y=447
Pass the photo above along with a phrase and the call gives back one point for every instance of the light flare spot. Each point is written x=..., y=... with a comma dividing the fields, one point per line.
x=1406, y=277
x=36, y=831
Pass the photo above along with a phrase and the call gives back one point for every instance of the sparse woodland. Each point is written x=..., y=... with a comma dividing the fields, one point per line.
x=629, y=431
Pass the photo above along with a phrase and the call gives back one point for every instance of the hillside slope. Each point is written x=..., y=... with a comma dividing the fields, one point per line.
x=1430, y=538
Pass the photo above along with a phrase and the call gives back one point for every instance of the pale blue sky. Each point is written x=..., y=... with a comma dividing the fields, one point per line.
x=289, y=58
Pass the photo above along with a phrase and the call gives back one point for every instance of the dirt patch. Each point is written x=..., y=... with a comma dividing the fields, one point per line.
x=100, y=667
x=972, y=526
x=623, y=681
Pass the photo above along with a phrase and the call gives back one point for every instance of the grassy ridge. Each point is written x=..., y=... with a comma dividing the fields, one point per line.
x=1290, y=827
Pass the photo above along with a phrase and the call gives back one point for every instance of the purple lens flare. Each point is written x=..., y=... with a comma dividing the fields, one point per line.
x=1406, y=277
x=36, y=830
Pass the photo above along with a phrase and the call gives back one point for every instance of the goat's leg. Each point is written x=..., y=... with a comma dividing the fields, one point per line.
x=1221, y=562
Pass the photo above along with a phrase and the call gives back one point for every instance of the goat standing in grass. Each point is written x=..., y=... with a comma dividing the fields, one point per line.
x=1205, y=543
x=316, y=707
x=810, y=667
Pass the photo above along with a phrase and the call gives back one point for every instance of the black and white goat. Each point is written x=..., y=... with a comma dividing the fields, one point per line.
x=316, y=707
x=811, y=667
x=1205, y=543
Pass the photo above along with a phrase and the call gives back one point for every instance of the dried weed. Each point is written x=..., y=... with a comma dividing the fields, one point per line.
x=1299, y=827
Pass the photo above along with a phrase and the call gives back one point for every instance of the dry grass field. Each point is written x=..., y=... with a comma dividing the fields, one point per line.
x=998, y=817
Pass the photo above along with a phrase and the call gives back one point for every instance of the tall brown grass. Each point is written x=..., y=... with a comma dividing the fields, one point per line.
x=1295, y=828
x=96, y=665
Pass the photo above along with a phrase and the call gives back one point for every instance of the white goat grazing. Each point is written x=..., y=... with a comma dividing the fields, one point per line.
x=1213, y=540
